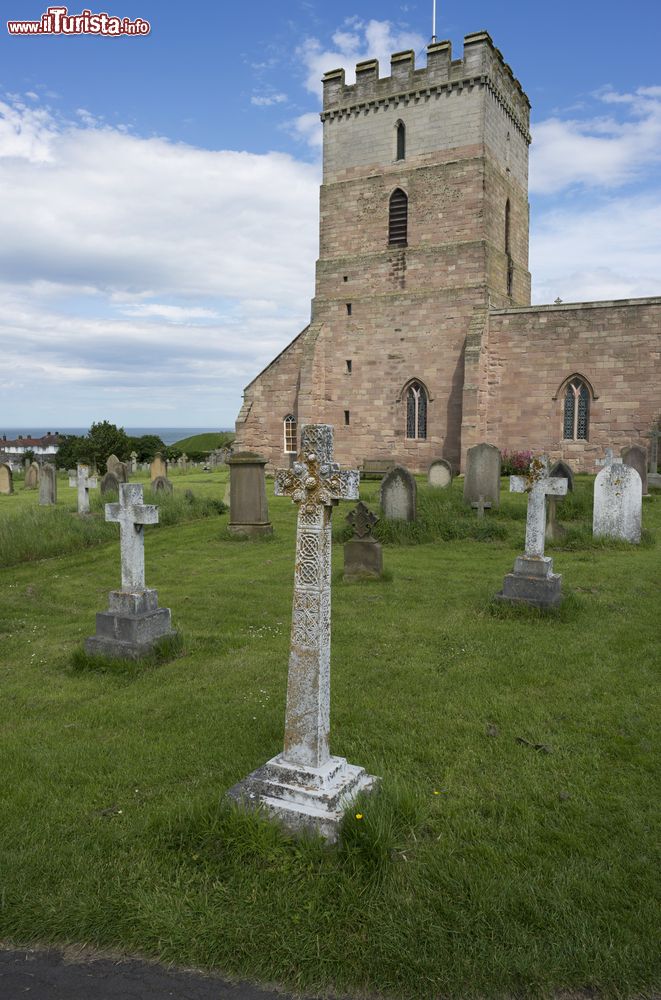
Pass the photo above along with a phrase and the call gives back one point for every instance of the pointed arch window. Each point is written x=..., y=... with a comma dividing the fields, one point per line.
x=576, y=419
x=290, y=433
x=398, y=218
x=400, y=130
x=416, y=411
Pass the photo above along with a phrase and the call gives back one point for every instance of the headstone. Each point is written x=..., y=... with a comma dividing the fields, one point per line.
x=533, y=580
x=618, y=501
x=83, y=484
x=112, y=462
x=6, y=479
x=555, y=530
x=249, y=512
x=363, y=555
x=482, y=476
x=32, y=476
x=161, y=485
x=653, y=436
x=134, y=462
x=480, y=506
x=48, y=485
x=159, y=467
x=636, y=458
x=305, y=787
x=439, y=473
x=109, y=483
x=399, y=495
x=134, y=622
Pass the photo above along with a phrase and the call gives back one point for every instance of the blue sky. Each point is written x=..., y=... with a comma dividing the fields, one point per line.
x=159, y=194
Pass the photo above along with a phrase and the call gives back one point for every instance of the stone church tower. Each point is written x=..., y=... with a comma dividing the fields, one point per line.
x=423, y=252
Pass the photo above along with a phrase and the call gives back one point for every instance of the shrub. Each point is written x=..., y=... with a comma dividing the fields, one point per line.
x=515, y=463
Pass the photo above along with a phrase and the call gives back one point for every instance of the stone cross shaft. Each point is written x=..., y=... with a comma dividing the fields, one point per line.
x=608, y=460
x=132, y=515
x=84, y=485
x=538, y=485
x=316, y=484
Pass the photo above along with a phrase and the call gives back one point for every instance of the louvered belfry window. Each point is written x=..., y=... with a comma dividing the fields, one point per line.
x=398, y=223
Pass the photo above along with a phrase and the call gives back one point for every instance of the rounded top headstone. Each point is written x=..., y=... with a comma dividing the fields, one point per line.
x=440, y=473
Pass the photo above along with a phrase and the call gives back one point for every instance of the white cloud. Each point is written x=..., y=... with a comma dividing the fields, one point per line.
x=599, y=151
x=308, y=127
x=267, y=100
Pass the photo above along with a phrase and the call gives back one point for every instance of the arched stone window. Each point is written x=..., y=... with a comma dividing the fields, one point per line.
x=398, y=218
x=289, y=427
x=400, y=129
x=576, y=413
x=416, y=411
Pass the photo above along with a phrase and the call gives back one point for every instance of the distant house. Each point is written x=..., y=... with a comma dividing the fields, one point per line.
x=42, y=447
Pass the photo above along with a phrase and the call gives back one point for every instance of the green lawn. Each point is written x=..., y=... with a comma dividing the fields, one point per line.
x=512, y=849
x=205, y=442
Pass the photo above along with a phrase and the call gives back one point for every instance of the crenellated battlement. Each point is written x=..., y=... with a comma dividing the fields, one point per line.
x=482, y=65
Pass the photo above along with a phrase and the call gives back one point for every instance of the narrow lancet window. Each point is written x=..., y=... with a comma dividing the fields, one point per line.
x=289, y=426
x=401, y=141
x=416, y=411
x=576, y=411
x=398, y=220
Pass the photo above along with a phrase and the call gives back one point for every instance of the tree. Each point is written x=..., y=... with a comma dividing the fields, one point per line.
x=103, y=440
x=146, y=446
x=71, y=449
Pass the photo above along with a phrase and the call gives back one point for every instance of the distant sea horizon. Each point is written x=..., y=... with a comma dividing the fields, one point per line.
x=168, y=435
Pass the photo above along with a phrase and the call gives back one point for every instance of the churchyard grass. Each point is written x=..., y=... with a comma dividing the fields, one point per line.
x=511, y=850
x=205, y=442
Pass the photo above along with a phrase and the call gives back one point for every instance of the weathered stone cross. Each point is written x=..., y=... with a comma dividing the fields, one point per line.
x=608, y=460
x=538, y=485
x=362, y=520
x=481, y=506
x=132, y=515
x=84, y=484
x=316, y=484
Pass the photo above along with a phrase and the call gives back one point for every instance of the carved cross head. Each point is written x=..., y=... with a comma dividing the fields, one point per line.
x=362, y=520
x=315, y=481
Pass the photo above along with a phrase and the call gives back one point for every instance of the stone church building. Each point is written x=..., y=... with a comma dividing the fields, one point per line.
x=422, y=340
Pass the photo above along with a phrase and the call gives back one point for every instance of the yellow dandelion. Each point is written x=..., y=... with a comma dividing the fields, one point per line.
x=359, y=815
x=436, y=792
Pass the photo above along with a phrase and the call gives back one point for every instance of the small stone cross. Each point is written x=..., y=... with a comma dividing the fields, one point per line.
x=316, y=484
x=132, y=514
x=608, y=460
x=84, y=485
x=481, y=506
x=362, y=520
x=538, y=485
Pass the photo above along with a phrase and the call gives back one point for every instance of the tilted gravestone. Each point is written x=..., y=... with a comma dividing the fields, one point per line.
x=399, y=495
x=554, y=529
x=305, y=787
x=482, y=476
x=6, y=479
x=82, y=482
x=32, y=476
x=249, y=512
x=636, y=458
x=112, y=462
x=48, y=485
x=109, y=483
x=618, y=501
x=533, y=580
x=158, y=468
x=161, y=485
x=134, y=622
x=363, y=555
x=439, y=473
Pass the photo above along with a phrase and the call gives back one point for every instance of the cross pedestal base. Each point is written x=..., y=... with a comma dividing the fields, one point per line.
x=131, y=626
x=304, y=799
x=251, y=530
x=532, y=582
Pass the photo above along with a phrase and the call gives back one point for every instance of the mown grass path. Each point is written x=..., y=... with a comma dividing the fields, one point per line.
x=512, y=851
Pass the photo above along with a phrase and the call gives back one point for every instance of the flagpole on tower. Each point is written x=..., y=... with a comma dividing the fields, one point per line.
x=433, y=22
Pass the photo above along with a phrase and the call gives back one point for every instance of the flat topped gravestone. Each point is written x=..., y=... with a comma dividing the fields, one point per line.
x=399, y=495
x=636, y=458
x=305, y=787
x=618, y=501
x=363, y=555
x=158, y=467
x=6, y=479
x=134, y=621
x=482, y=476
x=439, y=474
x=48, y=485
x=249, y=511
x=84, y=484
x=533, y=580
